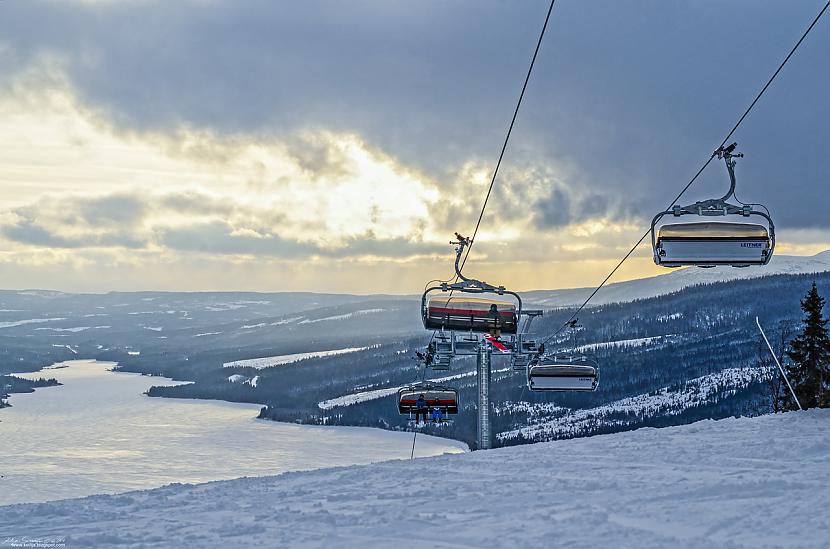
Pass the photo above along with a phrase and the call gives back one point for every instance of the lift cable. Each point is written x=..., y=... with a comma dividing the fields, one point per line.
x=412, y=454
x=504, y=146
x=705, y=164
x=498, y=165
x=509, y=132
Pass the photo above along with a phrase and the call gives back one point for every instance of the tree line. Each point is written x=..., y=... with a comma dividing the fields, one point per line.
x=808, y=367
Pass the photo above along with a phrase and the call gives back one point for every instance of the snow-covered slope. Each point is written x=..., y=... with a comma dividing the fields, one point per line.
x=758, y=482
x=678, y=279
x=547, y=421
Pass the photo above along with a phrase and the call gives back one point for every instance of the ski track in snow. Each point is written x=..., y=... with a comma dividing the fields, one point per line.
x=343, y=316
x=279, y=360
x=16, y=323
x=75, y=329
x=737, y=483
x=69, y=347
x=623, y=343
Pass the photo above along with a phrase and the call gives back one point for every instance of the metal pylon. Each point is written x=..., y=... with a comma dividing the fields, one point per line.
x=484, y=430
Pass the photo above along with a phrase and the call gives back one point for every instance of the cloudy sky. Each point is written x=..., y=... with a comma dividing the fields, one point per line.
x=336, y=146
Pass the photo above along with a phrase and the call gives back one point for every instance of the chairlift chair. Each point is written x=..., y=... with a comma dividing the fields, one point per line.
x=462, y=313
x=711, y=243
x=563, y=373
x=440, y=396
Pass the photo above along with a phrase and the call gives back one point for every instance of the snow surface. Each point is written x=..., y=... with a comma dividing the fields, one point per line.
x=278, y=360
x=343, y=316
x=622, y=343
x=62, y=347
x=287, y=321
x=758, y=482
x=15, y=323
x=76, y=329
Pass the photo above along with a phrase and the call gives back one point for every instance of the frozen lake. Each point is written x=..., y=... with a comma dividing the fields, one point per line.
x=99, y=434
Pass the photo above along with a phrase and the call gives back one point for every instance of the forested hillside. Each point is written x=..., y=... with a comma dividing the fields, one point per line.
x=668, y=360
x=332, y=359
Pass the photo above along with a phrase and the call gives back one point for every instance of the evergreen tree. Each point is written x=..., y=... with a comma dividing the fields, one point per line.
x=810, y=355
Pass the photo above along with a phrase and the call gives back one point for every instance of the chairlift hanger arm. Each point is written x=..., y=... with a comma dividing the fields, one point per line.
x=465, y=284
x=727, y=154
x=530, y=314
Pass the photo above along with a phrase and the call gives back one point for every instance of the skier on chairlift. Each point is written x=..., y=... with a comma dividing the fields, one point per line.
x=437, y=415
x=421, y=408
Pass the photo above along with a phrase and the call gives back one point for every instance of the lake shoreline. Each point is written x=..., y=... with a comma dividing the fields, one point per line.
x=265, y=412
x=99, y=434
x=261, y=415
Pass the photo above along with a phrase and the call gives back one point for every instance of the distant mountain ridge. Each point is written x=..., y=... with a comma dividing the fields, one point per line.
x=617, y=292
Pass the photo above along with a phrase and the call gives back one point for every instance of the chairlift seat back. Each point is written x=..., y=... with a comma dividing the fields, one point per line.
x=712, y=243
x=470, y=314
x=562, y=376
x=445, y=398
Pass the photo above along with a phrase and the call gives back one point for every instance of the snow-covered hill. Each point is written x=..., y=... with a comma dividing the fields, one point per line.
x=676, y=280
x=759, y=482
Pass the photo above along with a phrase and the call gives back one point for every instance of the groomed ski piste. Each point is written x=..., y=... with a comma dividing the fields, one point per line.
x=748, y=482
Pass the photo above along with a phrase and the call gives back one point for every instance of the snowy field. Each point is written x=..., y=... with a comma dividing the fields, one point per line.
x=758, y=482
x=623, y=343
x=279, y=360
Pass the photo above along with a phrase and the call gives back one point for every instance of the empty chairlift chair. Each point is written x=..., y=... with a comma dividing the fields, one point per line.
x=711, y=243
x=707, y=244
x=563, y=373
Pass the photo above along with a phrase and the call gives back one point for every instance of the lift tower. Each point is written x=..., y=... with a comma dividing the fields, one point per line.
x=484, y=431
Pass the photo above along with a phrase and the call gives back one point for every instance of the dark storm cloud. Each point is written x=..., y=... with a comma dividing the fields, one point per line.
x=370, y=244
x=555, y=210
x=204, y=224
x=219, y=237
x=29, y=232
x=79, y=222
x=195, y=203
x=112, y=210
x=634, y=96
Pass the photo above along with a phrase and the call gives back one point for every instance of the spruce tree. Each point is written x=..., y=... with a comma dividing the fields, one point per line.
x=809, y=352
